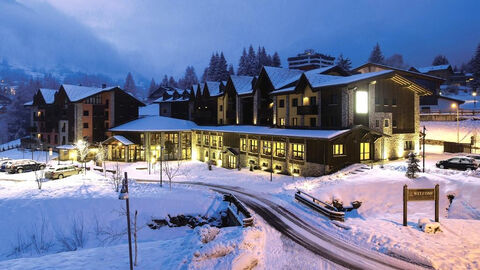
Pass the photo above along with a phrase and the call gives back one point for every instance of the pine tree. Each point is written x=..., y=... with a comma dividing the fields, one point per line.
x=440, y=60
x=153, y=87
x=262, y=59
x=222, y=68
x=204, y=75
x=230, y=70
x=251, y=62
x=190, y=78
x=213, y=68
x=172, y=82
x=242, y=65
x=130, y=84
x=412, y=165
x=164, y=82
x=395, y=60
x=376, y=56
x=276, y=60
x=344, y=62
x=475, y=67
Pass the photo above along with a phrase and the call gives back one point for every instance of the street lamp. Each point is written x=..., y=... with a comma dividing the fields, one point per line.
x=123, y=195
x=474, y=94
x=455, y=106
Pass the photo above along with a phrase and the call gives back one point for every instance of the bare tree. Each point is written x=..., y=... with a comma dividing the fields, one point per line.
x=102, y=156
x=82, y=148
x=116, y=178
x=172, y=169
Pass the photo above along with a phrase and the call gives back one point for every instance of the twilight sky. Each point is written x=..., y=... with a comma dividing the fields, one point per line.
x=157, y=37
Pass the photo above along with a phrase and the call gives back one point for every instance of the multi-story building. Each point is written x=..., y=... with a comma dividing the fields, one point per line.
x=310, y=60
x=307, y=123
x=72, y=112
x=174, y=103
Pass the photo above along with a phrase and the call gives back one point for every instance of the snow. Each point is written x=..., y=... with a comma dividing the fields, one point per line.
x=281, y=77
x=213, y=88
x=48, y=94
x=432, y=68
x=323, y=81
x=447, y=130
x=262, y=130
x=242, y=84
x=122, y=139
x=151, y=109
x=10, y=144
x=77, y=93
x=156, y=123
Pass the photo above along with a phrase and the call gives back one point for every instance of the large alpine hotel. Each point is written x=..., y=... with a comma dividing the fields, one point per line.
x=292, y=121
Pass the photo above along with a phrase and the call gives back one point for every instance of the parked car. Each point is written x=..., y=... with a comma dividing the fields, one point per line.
x=475, y=157
x=24, y=165
x=458, y=163
x=4, y=164
x=61, y=171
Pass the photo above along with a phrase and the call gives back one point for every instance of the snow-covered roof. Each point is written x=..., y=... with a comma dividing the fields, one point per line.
x=262, y=130
x=77, y=93
x=29, y=103
x=48, y=94
x=326, y=80
x=213, y=88
x=151, y=109
x=156, y=123
x=432, y=68
x=281, y=77
x=242, y=84
x=122, y=139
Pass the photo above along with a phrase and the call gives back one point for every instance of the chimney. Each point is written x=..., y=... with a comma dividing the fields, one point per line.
x=104, y=85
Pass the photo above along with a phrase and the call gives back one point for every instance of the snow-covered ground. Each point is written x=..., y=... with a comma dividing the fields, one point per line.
x=10, y=144
x=447, y=130
x=376, y=225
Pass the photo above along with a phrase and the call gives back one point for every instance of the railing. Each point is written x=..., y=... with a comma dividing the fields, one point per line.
x=245, y=222
x=450, y=112
x=323, y=208
x=304, y=110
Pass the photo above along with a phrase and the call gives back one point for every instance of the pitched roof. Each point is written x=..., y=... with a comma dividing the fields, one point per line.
x=410, y=71
x=242, y=84
x=213, y=88
x=432, y=68
x=48, y=94
x=77, y=93
x=156, y=123
x=281, y=77
x=324, y=70
x=325, y=81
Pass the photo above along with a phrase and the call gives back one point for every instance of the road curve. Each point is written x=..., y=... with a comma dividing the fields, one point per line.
x=311, y=237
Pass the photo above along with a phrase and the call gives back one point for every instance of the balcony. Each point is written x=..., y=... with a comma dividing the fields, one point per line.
x=305, y=110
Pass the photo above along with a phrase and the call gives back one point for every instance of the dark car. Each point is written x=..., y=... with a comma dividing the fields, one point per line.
x=20, y=166
x=4, y=163
x=458, y=163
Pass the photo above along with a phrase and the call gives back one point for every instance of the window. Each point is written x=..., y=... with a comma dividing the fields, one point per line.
x=253, y=145
x=364, y=151
x=106, y=114
x=333, y=99
x=313, y=101
x=85, y=113
x=107, y=102
x=377, y=99
x=295, y=102
x=386, y=122
x=281, y=121
x=56, y=139
x=220, y=141
x=106, y=125
x=85, y=125
x=214, y=140
x=213, y=155
x=280, y=149
x=206, y=154
x=281, y=103
x=394, y=101
x=361, y=102
x=199, y=138
x=385, y=101
x=294, y=121
x=408, y=145
x=394, y=123
x=313, y=122
x=337, y=149
x=377, y=123
x=296, y=171
x=278, y=167
x=267, y=147
x=298, y=151
x=220, y=121
x=206, y=139
x=221, y=108
x=243, y=144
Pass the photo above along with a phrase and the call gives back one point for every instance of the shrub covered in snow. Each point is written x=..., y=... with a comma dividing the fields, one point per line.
x=413, y=166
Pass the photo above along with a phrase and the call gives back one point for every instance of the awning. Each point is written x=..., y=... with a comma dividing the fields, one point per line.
x=66, y=147
x=232, y=151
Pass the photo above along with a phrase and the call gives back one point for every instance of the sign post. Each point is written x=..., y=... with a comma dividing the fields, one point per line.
x=421, y=194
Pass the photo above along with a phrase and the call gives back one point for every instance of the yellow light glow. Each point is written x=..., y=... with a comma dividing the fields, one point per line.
x=219, y=163
x=454, y=105
x=361, y=105
x=474, y=94
x=270, y=105
x=305, y=101
x=373, y=82
x=39, y=113
x=72, y=155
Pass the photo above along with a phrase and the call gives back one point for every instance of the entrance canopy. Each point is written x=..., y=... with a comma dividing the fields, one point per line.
x=118, y=138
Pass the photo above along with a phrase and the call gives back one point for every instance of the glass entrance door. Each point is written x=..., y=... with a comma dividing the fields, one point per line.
x=232, y=162
x=364, y=151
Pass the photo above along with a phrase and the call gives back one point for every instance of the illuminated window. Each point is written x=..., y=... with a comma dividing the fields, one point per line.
x=361, y=102
x=243, y=144
x=280, y=149
x=364, y=151
x=214, y=140
x=298, y=151
x=337, y=149
x=220, y=141
x=253, y=145
x=267, y=147
x=281, y=121
x=206, y=139
x=408, y=145
x=294, y=121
